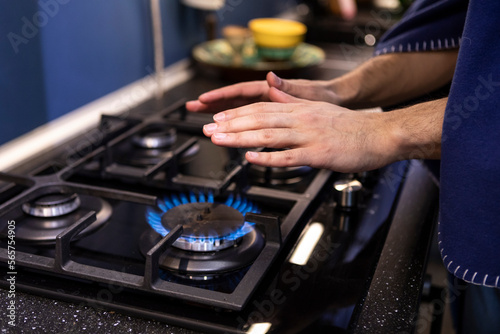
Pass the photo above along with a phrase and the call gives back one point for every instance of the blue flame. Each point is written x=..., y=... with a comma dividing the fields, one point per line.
x=244, y=206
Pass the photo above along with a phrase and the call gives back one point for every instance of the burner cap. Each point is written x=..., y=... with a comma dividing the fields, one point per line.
x=152, y=145
x=53, y=205
x=43, y=230
x=155, y=137
x=206, y=226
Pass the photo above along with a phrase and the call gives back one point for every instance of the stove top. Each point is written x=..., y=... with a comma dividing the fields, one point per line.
x=149, y=218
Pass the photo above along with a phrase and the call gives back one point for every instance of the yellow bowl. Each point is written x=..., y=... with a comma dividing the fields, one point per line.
x=277, y=33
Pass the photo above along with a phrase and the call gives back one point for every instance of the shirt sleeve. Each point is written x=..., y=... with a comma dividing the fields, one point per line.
x=469, y=226
x=427, y=25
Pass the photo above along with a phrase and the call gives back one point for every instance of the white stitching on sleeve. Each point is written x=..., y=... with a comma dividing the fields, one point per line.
x=426, y=45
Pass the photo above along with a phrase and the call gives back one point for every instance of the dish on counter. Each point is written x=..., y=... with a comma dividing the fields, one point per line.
x=219, y=54
x=275, y=38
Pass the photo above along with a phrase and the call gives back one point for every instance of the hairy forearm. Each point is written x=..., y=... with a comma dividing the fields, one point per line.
x=394, y=78
x=415, y=132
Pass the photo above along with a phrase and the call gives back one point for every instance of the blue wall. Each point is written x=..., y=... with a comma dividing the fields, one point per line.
x=92, y=47
x=22, y=93
x=57, y=55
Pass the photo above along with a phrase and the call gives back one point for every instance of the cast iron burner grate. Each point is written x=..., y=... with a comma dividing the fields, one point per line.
x=40, y=221
x=153, y=144
x=216, y=239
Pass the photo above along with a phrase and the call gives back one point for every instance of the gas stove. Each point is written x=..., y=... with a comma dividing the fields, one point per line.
x=151, y=219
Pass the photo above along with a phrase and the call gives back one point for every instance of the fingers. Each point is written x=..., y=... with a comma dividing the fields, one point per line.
x=247, y=90
x=261, y=108
x=269, y=137
x=250, y=122
x=291, y=87
x=273, y=80
x=251, y=126
x=196, y=106
x=312, y=90
x=230, y=97
x=286, y=158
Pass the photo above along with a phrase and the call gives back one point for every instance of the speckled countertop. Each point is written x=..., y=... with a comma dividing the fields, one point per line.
x=41, y=315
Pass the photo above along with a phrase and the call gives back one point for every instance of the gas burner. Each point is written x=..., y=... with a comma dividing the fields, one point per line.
x=198, y=266
x=207, y=226
x=53, y=205
x=215, y=239
x=278, y=175
x=152, y=145
x=156, y=137
x=43, y=219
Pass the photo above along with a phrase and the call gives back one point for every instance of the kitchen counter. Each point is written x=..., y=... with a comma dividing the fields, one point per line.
x=36, y=314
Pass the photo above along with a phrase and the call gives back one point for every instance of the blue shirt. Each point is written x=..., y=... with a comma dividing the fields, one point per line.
x=469, y=223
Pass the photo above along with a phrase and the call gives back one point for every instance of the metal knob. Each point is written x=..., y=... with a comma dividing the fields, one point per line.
x=347, y=193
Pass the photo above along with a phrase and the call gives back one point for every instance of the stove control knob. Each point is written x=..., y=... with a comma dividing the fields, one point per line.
x=347, y=193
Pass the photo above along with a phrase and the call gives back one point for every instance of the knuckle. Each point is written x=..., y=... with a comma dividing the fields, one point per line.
x=260, y=106
x=258, y=120
x=289, y=156
x=266, y=136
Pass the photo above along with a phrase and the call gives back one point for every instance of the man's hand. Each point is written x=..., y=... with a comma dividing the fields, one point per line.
x=323, y=135
x=316, y=134
x=244, y=93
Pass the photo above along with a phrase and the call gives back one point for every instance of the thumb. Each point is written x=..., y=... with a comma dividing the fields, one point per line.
x=292, y=87
x=284, y=85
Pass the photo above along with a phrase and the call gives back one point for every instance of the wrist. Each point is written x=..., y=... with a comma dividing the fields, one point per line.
x=415, y=132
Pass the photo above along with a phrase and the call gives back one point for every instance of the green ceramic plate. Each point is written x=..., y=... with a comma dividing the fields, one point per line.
x=220, y=54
